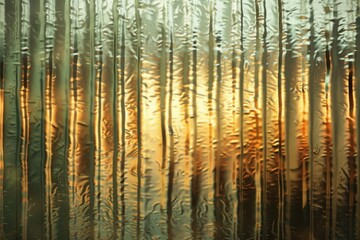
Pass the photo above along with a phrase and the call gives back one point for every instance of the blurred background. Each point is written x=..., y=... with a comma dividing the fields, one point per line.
x=179, y=119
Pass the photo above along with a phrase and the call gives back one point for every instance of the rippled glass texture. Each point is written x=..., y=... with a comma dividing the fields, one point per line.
x=179, y=119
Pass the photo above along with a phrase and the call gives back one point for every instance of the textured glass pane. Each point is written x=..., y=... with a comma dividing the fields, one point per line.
x=179, y=119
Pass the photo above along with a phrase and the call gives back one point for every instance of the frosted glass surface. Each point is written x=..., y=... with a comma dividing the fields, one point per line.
x=179, y=119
